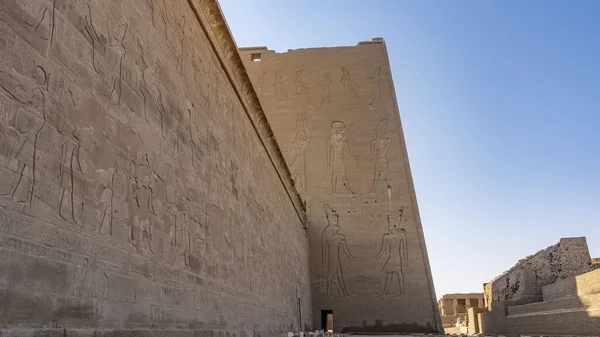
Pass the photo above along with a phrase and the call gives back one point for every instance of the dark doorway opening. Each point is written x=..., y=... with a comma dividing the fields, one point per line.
x=327, y=320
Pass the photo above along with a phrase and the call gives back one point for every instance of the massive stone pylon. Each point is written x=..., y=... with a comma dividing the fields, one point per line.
x=335, y=116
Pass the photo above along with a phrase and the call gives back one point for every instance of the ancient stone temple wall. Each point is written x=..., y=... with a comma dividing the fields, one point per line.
x=554, y=292
x=334, y=113
x=523, y=283
x=140, y=185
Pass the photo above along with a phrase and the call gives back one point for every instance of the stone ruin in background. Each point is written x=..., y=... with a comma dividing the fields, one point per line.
x=555, y=291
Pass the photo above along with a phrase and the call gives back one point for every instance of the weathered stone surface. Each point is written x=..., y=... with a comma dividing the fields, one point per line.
x=559, y=301
x=580, y=285
x=523, y=283
x=455, y=306
x=596, y=263
x=141, y=190
x=334, y=113
x=473, y=319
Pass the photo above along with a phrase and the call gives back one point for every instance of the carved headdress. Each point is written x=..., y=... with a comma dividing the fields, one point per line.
x=331, y=213
x=394, y=222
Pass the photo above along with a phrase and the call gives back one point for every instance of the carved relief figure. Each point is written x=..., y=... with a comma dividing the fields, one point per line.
x=42, y=23
x=337, y=150
x=326, y=89
x=105, y=179
x=333, y=246
x=279, y=90
x=146, y=236
x=376, y=86
x=143, y=194
x=394, y=250
x=101, y=285
x=260, y=83
x=17, y=179
x=379, y=151
x=70, y=202
x=348, y=84
x=298, y=161
x=81, y=284
x=117, y=43
x=300, y=87
x=93, y=35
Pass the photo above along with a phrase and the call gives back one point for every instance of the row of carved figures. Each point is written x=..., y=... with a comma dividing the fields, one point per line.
x=393, y=252
x=338, y=154
x=323, y=86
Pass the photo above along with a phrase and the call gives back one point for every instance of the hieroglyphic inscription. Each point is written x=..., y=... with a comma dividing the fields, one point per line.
x=109, y=148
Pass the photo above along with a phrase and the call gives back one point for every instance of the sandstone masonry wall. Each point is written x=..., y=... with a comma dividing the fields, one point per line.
x=523, y=283
x=334, y=113
x=140, y=185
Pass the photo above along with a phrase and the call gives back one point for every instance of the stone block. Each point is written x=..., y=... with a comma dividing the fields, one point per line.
x=473, y=314
x=583, y=284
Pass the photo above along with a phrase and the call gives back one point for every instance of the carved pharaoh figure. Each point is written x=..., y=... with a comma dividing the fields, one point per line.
x=394, y=250
x=333, y=246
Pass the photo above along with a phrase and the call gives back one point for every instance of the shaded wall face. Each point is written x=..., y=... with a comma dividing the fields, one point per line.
x=134, y=192
x=334, y=113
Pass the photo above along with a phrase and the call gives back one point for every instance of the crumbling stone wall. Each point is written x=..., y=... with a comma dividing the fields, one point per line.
x=140, y=187
x=523, y=283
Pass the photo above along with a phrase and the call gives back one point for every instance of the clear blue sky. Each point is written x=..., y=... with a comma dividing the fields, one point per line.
x=500, y=106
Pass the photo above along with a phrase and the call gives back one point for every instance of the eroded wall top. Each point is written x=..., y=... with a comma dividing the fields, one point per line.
x=523, y=282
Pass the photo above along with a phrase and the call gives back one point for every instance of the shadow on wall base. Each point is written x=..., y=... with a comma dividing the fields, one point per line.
x=379, y=328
